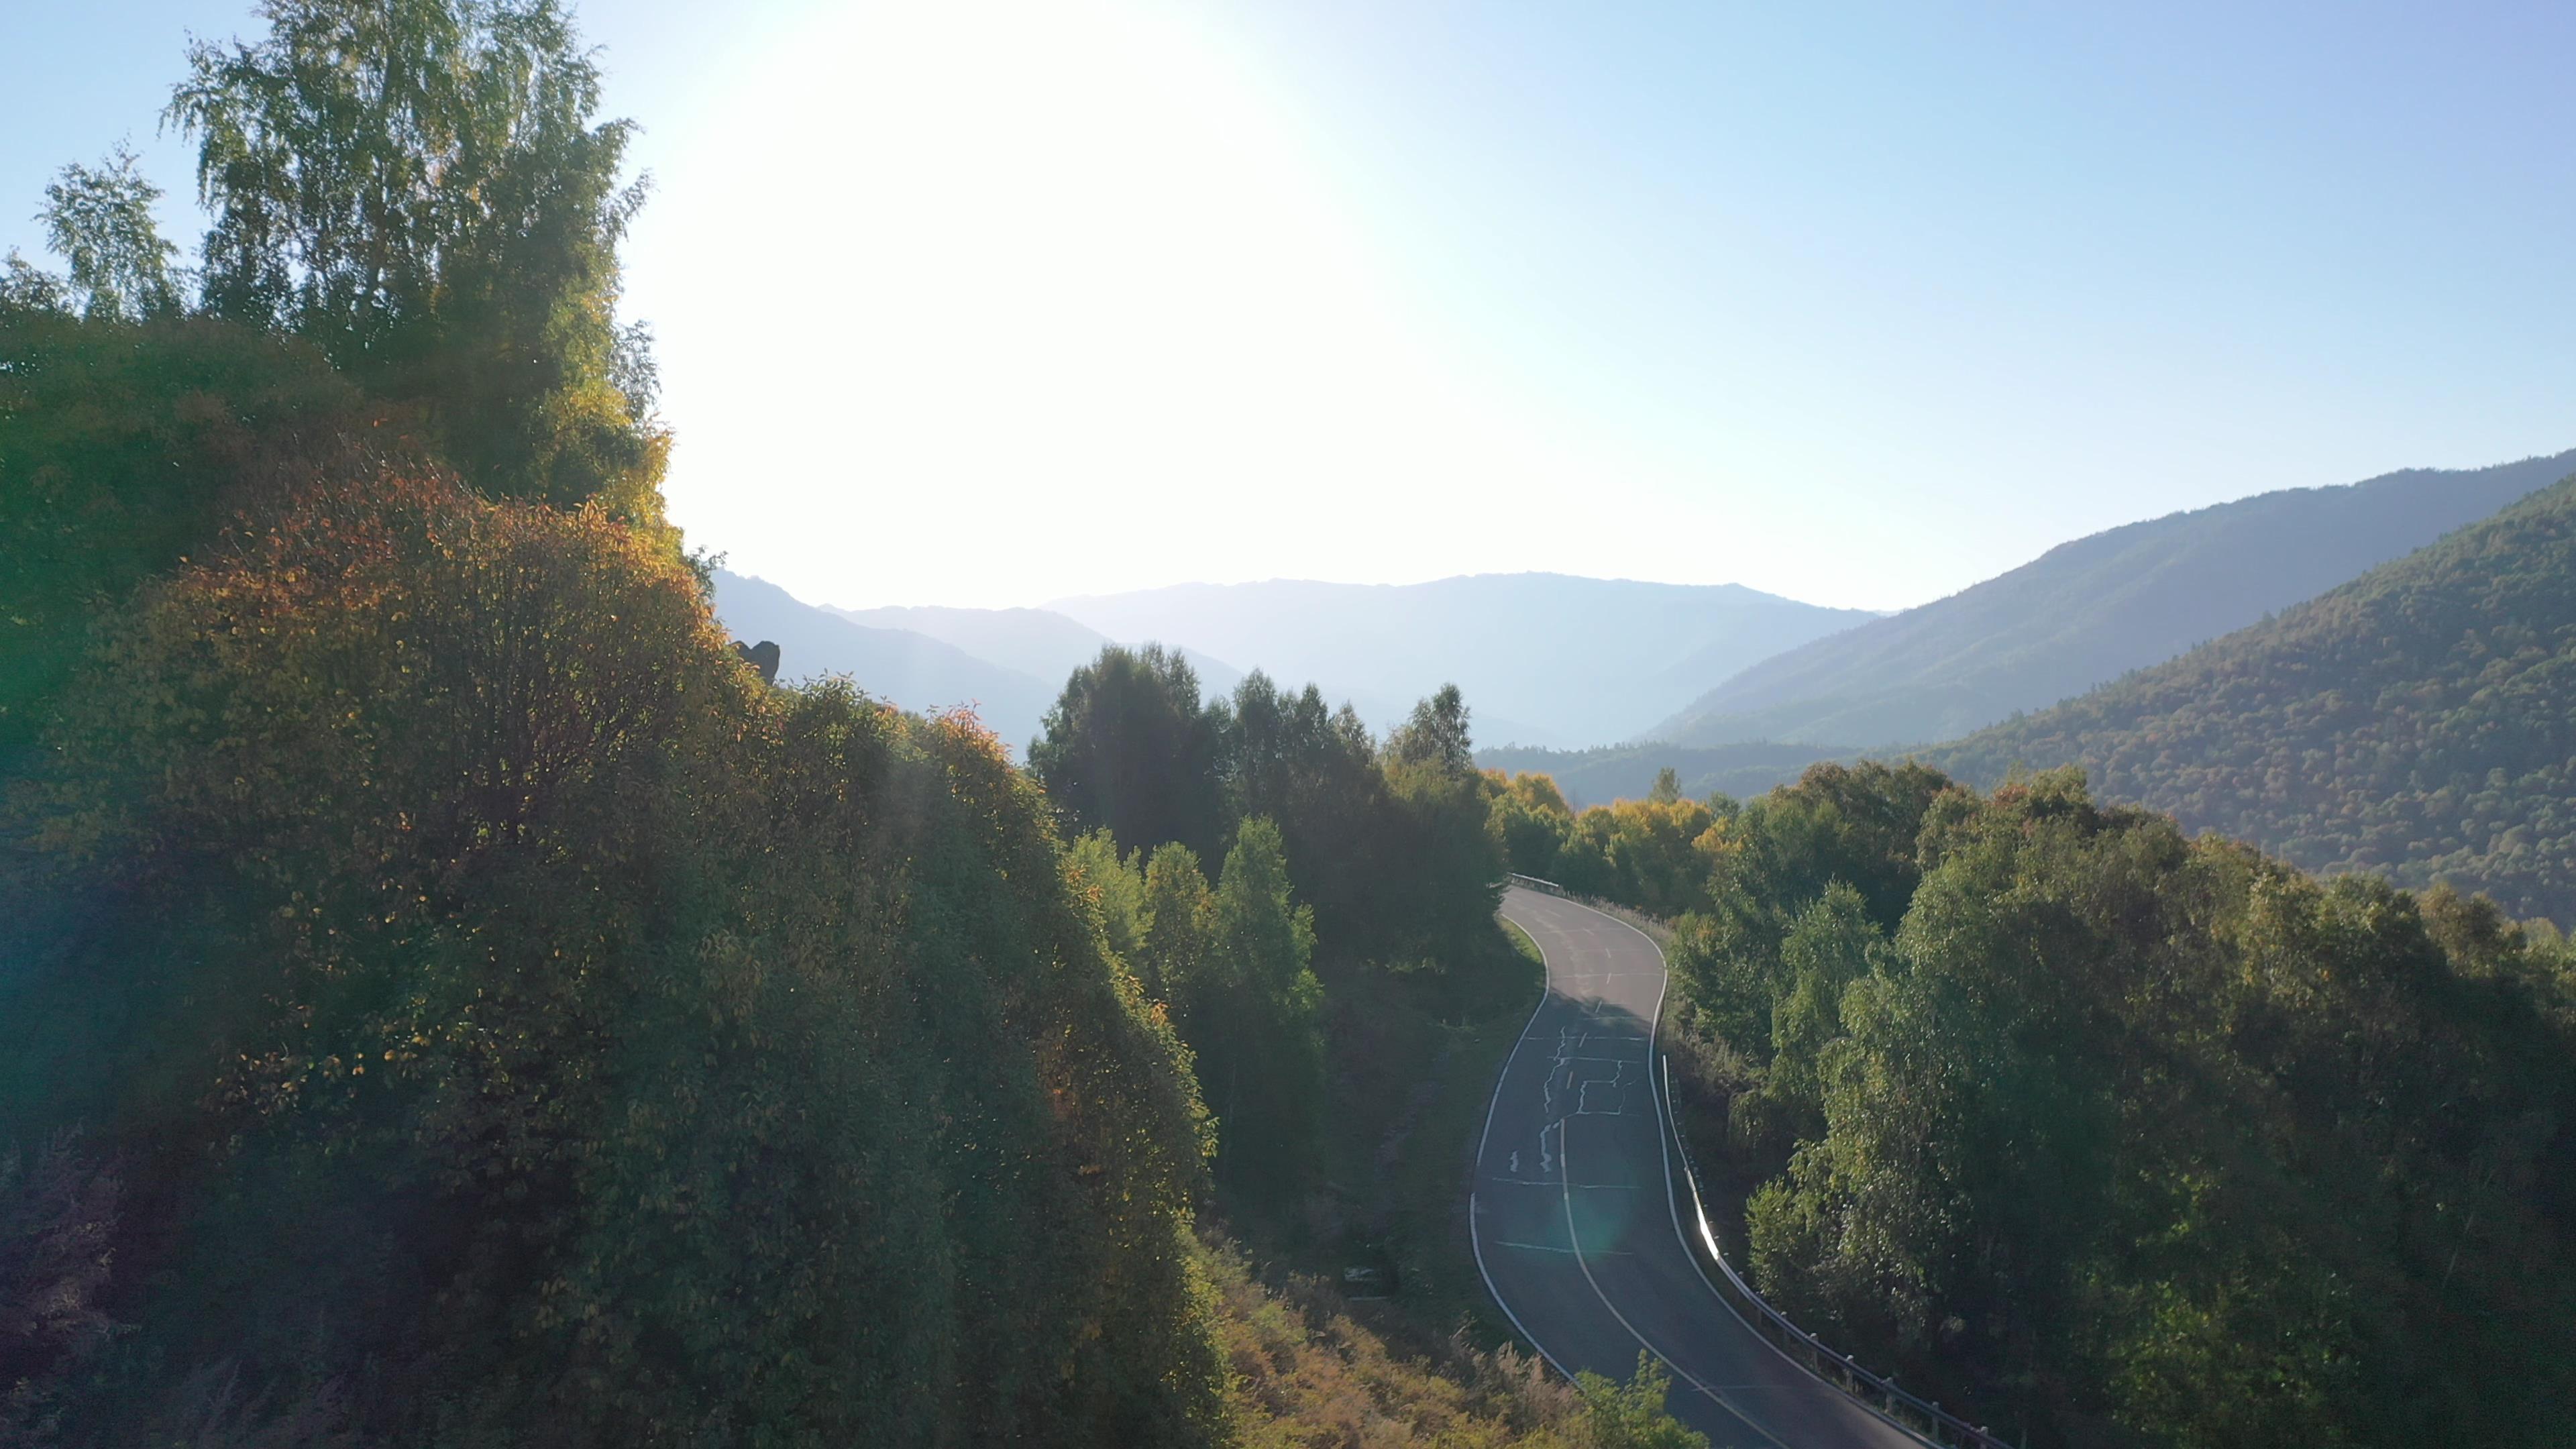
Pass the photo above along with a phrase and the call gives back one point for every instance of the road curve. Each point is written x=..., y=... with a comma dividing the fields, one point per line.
x=1573, y=1215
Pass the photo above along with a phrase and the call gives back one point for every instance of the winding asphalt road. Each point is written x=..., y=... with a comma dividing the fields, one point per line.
x=1573, y=1214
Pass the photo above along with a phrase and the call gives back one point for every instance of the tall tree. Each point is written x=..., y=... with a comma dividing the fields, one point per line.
x=1173, y=959
x=1442, y=811
x=1435, y=734
x=1266, y=1074
x=101, y=222
x=1118, y=886
x=1314, y=772
x=1130, y=747
x=417, y=185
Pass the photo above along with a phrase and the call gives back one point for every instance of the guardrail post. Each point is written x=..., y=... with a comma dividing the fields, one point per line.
x=1901, y=1408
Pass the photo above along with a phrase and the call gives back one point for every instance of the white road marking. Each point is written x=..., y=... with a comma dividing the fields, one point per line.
x=1475, y=1240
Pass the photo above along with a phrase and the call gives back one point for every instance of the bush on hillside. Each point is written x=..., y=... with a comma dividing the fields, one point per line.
x=519, y=1025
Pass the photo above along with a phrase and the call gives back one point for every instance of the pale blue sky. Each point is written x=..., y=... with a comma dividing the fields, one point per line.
x=987, y=303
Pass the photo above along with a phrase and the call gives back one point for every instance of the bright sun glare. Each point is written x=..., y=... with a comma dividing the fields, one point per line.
x=1082, y=272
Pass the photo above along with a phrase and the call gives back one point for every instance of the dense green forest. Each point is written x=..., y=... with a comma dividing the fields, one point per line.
x=2090, y=610
x=1315, y=909
x=2417, y=723
x=2115, y=1135
x=446, y=996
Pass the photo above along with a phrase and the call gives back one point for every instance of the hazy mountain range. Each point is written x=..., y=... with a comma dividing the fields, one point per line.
x=1544, y=659
x=2092, y=610
x=1040, y=643
x=906, y=667
x=1747, y=686
x=2418, y=721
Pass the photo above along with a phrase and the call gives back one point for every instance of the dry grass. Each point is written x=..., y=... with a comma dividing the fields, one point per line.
x=1305, y=1374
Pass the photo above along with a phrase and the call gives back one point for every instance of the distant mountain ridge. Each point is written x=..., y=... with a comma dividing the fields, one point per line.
x=2418, y=722
x=901, y=666
x=1040, y=643
x=1611, y=773
x=2091, y=610
x=1544, y=659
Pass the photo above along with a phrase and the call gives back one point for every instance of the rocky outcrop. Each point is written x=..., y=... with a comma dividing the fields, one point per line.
x=762, y=656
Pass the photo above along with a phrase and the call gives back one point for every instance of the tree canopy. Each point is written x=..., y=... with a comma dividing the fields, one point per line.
x=1131, y=748
x=100, y=221
x=2117, y=1136
x=612, y=1040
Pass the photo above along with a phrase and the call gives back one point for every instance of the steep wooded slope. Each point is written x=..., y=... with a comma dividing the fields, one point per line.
x=2088, y=611
x=2418, y=722
x=428, y=918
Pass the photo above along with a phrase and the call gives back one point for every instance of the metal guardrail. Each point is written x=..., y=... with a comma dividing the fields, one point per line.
x=1921, y=1417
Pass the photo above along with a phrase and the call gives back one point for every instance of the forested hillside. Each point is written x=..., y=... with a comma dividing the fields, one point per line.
x=469, y=942
x=1626, y=772
x=447, y=997
x=1550, y=660
x=2418, y=723
x=2107, y=1136
x=2089, y=611
x=1394, y=884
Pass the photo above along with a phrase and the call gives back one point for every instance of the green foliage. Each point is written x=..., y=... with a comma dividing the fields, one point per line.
x=1662, y=854
x=1529, y=821
x=1641, y=853
x=1352, y=925
x=1261, y=1047
x=611, y=1048
x=1391, y=848
x=2418, y=723
x=1449, y=873
x=123, y=448
x=418, y=188
x=1175, y=951
x=26, y=287
x=1631, y=1415
x=2120, y=1129
x=1232, y=968
x=1435, y=735
x=101, y=222
x=1315, y=772
x=1130, y=748
x=1119, y=890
